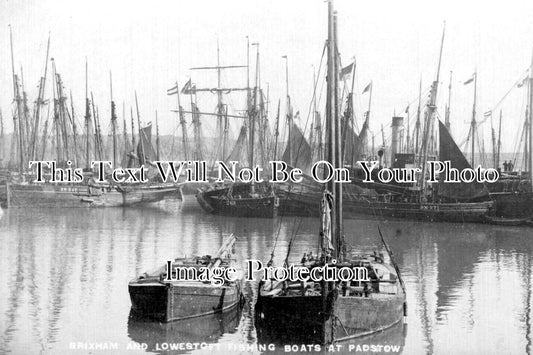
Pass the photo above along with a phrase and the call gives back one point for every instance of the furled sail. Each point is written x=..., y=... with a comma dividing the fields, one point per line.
x=240, y=149
x=145, y=145
x=448, y=150
x=300, y=150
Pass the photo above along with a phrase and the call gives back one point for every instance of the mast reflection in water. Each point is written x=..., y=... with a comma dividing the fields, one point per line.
x=65, y=274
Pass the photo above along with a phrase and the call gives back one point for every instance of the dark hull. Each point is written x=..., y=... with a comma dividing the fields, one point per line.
x=308, y=204
x=353, y=317
x=179, y=301
x=513, y=205
x=239, y=204
x=76, y=195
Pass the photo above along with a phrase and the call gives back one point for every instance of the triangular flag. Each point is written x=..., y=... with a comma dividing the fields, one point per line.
x=368, y=87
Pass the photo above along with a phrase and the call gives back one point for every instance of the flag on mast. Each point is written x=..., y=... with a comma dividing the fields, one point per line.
x=367, y=88
x=470, y=80
x=189, y=88
x=173, y=90
x=346, y=72
x=522, y=82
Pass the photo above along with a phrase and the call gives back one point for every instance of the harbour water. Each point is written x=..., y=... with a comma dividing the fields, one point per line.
x=64, y=279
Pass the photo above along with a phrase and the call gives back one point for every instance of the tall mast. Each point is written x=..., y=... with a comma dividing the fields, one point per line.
x=87, y=121
x=408, y=140
x=74, y=131
x=429, y=116
x=220, y=105
x=447, y=113
x=473, y=123
x=39, y=103
x=132, y=130
x=56, y=114
x=252, y=111
x=97, y=143
x=183, y=124
x=288, y=112
x=499, y=141
x=276, y=134
x=338, y=163
x=113, y=122
x=142, y=157
x=530, y=114
x=17, y=124
x=125, y=133
x=157, y=136
x=417, y=124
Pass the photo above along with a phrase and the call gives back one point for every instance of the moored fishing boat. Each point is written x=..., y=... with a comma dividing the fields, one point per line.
x=339, y=308
x=439, y=202
x=239, y=200
x=153, y=296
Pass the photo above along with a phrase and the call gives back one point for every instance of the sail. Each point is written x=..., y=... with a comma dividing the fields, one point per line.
x=145, y=145
x=351, y=146
x=448, y=150
x=240, y=149
x=300, y=151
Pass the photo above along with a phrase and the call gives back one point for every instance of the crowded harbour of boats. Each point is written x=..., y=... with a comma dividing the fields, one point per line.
x=251, y=165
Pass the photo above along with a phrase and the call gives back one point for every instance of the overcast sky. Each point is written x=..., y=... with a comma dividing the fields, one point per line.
x=150, y=45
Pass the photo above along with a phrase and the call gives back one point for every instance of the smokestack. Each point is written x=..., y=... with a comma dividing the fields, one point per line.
x=397, y=125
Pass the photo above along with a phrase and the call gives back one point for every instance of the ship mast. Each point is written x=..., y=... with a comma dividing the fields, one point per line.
x=87, y=121
x=530, y=118
x=417, y=124
x=142, y=157
x=429, y=116
x=334, y=154
x=473, y=123
x=288, y=112
x=38, y=105
x=447, y=113
x=113, y=123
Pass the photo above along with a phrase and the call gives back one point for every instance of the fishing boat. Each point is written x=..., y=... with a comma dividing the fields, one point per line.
x=439, y=202
x=245, y=199
x=154, y=296
x=23, y=191
x=513, y=192
x=239, y=200
x=334, y=310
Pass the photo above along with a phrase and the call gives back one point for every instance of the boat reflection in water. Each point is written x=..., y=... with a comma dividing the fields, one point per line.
x=160, y=337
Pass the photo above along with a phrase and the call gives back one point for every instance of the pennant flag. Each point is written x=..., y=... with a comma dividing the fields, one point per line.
x=189, y=88
x=523, y=82
x=470, y=80
x=368, y=87
x=173, y=90
x=487, y=114
x=346, y=72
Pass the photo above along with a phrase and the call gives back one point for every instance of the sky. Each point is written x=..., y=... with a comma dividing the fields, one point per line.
x=148, y=46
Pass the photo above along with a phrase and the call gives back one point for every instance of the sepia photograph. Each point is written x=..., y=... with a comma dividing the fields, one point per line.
x=266, y=177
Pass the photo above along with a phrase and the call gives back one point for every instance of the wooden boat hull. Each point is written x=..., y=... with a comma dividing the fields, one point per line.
x=514, y=204
x=302, y=204
x=137, y=196
x=178, y=301
x=76, y=195
x=217, y=201
x=353, y=317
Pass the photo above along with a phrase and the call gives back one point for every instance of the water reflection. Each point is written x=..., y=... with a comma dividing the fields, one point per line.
x=65, y=276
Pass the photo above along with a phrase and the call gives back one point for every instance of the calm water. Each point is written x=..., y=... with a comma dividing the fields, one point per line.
x=64, y=276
